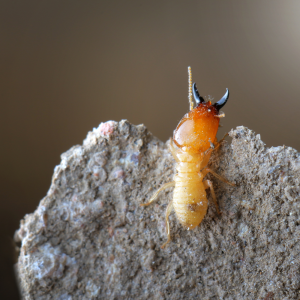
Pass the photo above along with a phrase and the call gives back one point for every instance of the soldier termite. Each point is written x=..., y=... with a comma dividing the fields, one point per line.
x=193, y=141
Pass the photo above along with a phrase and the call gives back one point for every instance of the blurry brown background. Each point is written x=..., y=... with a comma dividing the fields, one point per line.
x=66, y=66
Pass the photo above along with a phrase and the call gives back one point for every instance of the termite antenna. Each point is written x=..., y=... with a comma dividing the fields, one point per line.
x=190, y=89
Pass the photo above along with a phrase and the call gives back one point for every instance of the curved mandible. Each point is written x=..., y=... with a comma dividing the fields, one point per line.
x=197, y=97
x=218, y=105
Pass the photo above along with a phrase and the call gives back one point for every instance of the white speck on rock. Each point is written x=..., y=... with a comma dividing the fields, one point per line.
x=92, y=289
x=243, y=230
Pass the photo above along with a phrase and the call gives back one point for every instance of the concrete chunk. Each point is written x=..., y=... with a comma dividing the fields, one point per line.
x=90, y=239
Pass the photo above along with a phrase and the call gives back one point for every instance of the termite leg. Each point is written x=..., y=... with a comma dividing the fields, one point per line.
x=206, y=158
x=214, y=146
x=168, y=211
x=173, y=150
x=208, y=184
x=217, y=144
x=208, y=170
x=165, y=186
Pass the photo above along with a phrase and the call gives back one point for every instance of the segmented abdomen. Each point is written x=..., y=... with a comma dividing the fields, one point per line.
x=189, y=199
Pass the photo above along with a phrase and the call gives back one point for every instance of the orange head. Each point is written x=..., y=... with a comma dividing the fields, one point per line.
x=198, y=128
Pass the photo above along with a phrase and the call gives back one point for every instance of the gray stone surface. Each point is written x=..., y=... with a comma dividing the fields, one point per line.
x=90, y=239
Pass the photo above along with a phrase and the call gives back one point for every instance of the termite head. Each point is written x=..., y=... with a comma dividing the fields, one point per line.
x=198, y=128
x=199, y=100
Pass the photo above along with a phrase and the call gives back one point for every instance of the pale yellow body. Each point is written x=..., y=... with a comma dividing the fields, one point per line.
x=189, y=195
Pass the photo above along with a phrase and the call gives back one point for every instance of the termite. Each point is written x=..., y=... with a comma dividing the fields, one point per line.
x=194, y=140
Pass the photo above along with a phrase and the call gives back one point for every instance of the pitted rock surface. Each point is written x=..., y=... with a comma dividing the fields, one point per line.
x=90, y=239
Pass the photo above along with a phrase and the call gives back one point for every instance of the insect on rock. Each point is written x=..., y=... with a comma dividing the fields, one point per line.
x=194, y=140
